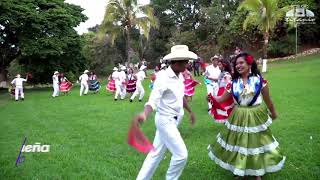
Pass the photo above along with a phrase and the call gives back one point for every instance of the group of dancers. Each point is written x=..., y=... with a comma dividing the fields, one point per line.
x=245, y=146
x=124, y=80
x=88, y=81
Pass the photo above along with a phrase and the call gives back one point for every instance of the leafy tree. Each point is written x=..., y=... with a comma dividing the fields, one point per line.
x=122, y=16
x=264, y=14
x=40, y=35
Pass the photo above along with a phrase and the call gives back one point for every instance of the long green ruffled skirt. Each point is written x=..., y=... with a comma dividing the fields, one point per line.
x=246, y=146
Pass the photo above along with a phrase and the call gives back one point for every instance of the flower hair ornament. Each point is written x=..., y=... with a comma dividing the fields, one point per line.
x=249, y=59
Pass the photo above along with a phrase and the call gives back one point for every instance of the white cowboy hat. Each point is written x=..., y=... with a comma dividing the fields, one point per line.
x=85, y=71
x=56, y=72
x=115, y=69
x=123, y=68
x=180, y=52
x=215, y=57
x=143, y=67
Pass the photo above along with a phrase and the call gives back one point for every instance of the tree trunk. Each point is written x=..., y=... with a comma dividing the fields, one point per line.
x=265, y=45
x=128, y=44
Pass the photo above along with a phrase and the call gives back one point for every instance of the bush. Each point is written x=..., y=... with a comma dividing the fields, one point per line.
x=282, y=47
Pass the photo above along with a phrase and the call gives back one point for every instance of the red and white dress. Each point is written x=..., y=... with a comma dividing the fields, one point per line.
x=65, y=85
x=189, y=83
x=111, y=86
x=131, y=86
x=221, y=116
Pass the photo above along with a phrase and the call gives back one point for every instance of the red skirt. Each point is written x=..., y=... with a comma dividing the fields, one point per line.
x=189, y=85
x=221, y=116
x=65, y=86
x=131, y=86
x=111, y=86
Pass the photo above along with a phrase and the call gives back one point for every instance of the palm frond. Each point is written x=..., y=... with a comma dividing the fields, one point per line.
x=251, y=5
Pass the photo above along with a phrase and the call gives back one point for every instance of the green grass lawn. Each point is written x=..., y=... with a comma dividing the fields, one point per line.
x=88, y=134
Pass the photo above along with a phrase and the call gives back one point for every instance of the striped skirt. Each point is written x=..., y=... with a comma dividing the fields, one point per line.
x=94, y=85
x=111, y=86
x=189, y=85
x=131, y=86
x=65, y=86
x=246, y=146
x=221, y=116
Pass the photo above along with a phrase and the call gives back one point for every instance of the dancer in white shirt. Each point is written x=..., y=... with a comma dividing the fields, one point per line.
x=139, y=88
x=84, y=83
x=167, y=98
x=212, y=74
x=121, y=84
x=55, y=84
x=18, y=83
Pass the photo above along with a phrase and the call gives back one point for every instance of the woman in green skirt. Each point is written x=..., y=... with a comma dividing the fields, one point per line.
x=246, y=146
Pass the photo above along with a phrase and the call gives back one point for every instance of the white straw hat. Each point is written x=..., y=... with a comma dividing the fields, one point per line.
x=123, y=68
x=85, y=71
x=180, y=52
x=56, y=72
x=115, y=69
x=215, y=57
x=143, y=67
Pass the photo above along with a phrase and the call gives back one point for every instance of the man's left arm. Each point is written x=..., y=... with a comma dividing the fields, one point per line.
x=187, y=107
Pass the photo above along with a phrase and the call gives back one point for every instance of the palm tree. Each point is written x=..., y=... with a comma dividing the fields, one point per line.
x=264, y=14
x=123, y=15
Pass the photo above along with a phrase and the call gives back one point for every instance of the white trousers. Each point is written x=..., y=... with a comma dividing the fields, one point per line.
x=120, y=90
x=167, y=137
x=84, y=88
x=212, y=88
x=55, y=90
x=139, y=90
x=17, y=91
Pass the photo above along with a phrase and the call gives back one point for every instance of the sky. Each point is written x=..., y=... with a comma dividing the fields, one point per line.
x=94, y=10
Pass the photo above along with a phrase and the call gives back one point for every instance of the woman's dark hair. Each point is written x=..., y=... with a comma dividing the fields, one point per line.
x=254, y=67
x=226, y=65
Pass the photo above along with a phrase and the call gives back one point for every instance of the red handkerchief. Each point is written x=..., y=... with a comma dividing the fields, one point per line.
x=138, y=140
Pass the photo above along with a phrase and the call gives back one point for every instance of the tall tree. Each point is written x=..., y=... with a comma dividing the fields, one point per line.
x=264, y=14
x=122, y=16
x=40, y=34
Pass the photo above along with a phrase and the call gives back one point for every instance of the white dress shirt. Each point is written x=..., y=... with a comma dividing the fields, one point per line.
x=55, y=80
x=122, y=76
x=140, y=76
x=115, y=75
x=18, y=82
x=167, y=94
x=84, y=78
x=212, y=72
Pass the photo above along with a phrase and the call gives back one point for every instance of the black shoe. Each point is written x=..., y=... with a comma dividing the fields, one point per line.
x=130, y=100
x=16, y=100
x=22, y=99
x=115, y=99
x=140, y=100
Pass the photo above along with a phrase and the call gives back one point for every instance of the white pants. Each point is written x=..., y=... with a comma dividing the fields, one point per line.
x=17, y=91
x=212, y=88
x=139, y=90
x=84, y=88
x=55, y=90
x=120, y=90
x=167, y=137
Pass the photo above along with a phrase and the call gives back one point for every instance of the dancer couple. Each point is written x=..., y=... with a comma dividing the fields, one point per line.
x=246, y=147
